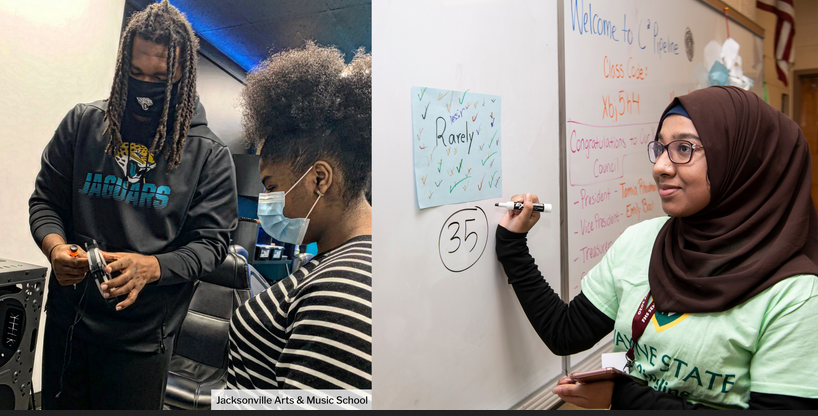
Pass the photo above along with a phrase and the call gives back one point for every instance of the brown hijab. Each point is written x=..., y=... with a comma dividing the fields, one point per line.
x=760, y=226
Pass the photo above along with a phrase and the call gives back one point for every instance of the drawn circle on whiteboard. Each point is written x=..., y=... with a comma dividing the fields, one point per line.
x=463, y=239
x=689, y=44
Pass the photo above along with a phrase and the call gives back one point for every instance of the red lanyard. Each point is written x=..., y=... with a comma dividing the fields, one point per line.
x=640, y=322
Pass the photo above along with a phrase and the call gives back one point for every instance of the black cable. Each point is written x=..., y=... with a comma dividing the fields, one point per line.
x=70, y=334
x=31, y=401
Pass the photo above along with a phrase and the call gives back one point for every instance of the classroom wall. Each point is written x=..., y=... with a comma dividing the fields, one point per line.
x=220, y=95
x=805, y=49
x=806, y=35
x=805, y=45
x=775, y=87
x=745, y=7
x=54, y=54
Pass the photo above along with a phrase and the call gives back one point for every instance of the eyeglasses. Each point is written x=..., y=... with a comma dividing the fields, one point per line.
x=679, y=151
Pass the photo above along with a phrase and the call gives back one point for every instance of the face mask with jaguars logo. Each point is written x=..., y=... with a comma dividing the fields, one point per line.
x=147, y=99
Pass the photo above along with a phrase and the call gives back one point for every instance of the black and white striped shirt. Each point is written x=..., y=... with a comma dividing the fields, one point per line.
x=311, y=330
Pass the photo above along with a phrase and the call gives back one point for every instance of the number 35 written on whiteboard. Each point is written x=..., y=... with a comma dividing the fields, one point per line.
x=463, y=239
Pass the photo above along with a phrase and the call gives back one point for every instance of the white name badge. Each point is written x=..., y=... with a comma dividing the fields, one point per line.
x=616, y=360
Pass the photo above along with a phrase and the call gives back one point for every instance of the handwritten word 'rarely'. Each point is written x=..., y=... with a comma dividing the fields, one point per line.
x=642, y=187
x=616, y=71
x=453, y=139
x=586, y=145
x=626, y=104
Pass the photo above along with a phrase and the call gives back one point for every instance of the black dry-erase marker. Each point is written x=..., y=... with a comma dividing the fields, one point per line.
x=518, y=206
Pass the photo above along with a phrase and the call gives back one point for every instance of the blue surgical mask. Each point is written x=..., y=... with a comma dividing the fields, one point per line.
x=272, y=219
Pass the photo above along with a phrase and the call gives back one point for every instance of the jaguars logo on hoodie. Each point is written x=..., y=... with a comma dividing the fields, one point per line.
x=135, y=160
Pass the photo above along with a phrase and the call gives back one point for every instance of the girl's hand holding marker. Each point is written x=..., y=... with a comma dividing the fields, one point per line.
x=522, y=219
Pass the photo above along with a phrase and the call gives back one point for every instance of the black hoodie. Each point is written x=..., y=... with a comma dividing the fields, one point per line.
x=129, y=202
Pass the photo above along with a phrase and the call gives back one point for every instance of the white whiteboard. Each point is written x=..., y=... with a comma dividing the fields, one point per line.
x=445, y=340
x=606, y=145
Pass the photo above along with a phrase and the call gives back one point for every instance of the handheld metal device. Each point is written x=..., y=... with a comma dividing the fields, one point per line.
x=96, y=266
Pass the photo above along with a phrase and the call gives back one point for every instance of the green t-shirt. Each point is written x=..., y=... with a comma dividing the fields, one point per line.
x=765, y=345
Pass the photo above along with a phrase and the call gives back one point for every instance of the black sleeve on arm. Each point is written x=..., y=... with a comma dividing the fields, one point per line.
x=764, y=401
x=565, y=329
x=49, y=207
x=212, y=215
x=629, y=395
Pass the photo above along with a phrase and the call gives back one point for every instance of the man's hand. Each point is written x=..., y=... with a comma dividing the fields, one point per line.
x=596, y=395
x=136, y=271
x=521, y=221
x=67, y=269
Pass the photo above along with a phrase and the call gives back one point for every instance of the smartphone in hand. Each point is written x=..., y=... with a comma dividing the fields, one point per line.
x=608, y=373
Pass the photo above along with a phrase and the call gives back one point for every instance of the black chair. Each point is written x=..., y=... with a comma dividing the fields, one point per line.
x=199, y=361
x=245, y=235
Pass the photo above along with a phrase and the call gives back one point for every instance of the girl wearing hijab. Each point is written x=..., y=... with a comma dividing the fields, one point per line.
x=714, y=304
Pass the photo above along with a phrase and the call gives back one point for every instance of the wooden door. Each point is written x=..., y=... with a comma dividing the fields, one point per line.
x=808, y=120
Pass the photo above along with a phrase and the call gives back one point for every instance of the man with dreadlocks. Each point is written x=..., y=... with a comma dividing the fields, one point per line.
x=143, y=175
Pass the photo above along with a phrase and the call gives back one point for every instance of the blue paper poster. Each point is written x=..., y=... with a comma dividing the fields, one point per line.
x=457, y=141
